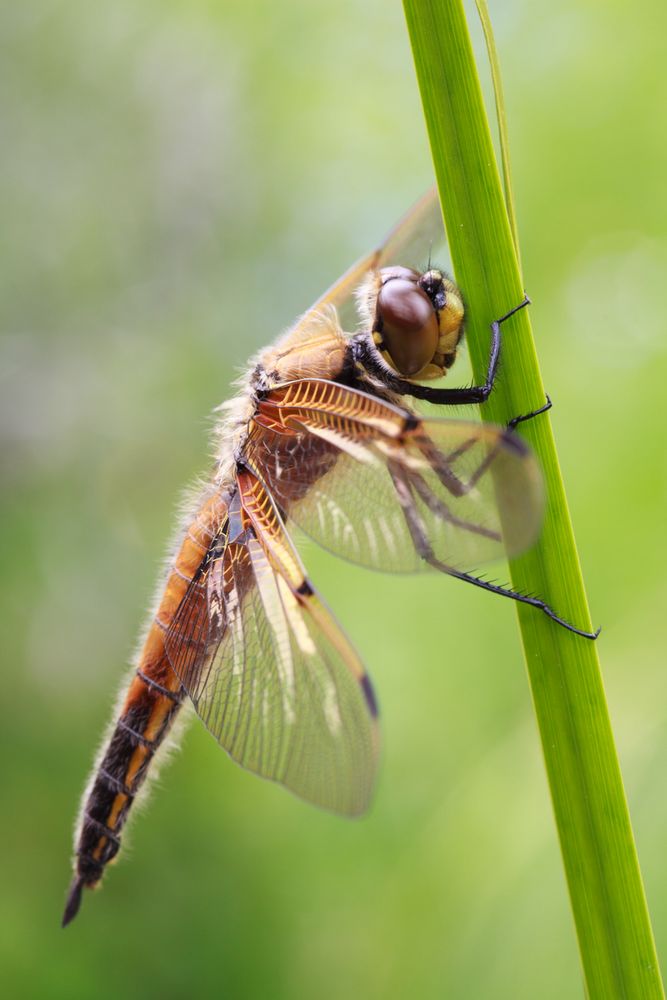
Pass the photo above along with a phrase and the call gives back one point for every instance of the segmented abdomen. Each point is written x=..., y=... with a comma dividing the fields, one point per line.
x=149, y=708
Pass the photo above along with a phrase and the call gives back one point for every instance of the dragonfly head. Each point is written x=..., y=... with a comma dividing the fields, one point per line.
x=418, y=321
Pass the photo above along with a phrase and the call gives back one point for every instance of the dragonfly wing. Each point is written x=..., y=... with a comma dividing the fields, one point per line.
x=358, y=475
x=270, y=672
x=420, y=231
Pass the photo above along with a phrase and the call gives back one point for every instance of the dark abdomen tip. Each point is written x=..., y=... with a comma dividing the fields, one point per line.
x=73, y=901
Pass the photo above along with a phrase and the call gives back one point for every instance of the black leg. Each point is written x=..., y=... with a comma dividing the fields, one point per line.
x=529, y=416
x=442, y=464
x=423, y=547
x=514, y=595
x=366, y=353
x=417, y=485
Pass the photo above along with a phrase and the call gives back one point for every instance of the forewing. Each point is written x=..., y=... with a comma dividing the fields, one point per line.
x=272, y=675
x=364, y=478
x=418, y=236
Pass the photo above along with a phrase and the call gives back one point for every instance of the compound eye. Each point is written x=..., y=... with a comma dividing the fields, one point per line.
x=391, y=273
x=408, y=324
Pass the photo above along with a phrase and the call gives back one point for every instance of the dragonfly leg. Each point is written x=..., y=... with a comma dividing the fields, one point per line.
x=514, y=595
x=511, y=424
x=366, y=354
x=424, y=549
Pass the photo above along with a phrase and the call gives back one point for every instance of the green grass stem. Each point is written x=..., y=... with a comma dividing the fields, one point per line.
x=611, y=917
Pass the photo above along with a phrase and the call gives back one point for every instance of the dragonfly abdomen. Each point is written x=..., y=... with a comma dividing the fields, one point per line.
x=144, y=721
x=147, y=713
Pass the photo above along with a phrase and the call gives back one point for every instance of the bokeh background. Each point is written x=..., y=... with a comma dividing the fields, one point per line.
x=177, y=182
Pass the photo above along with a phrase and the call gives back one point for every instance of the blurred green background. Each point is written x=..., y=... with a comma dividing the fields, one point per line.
x=177, y=182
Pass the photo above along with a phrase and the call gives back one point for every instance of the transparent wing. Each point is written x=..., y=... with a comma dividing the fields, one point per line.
x=386, y=489
x=268, y=669
x=418, y=235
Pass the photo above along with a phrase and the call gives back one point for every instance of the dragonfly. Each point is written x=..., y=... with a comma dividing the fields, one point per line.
x=322, y=435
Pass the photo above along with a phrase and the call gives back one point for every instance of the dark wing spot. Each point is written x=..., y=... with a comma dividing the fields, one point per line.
x=514, y=443
x=369, y=695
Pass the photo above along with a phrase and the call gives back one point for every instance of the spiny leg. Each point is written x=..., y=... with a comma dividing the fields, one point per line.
x=535, y=602
x=511, y=424
x=424, y=549
x=420, y=487
x=366, y=353
x=453, y=482
x=441, y=465
x=486, y=462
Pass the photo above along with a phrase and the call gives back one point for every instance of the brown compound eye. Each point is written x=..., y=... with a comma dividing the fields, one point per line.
x=408, y=324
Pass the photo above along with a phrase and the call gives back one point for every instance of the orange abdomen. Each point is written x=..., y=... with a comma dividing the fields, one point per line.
x=149, y=708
